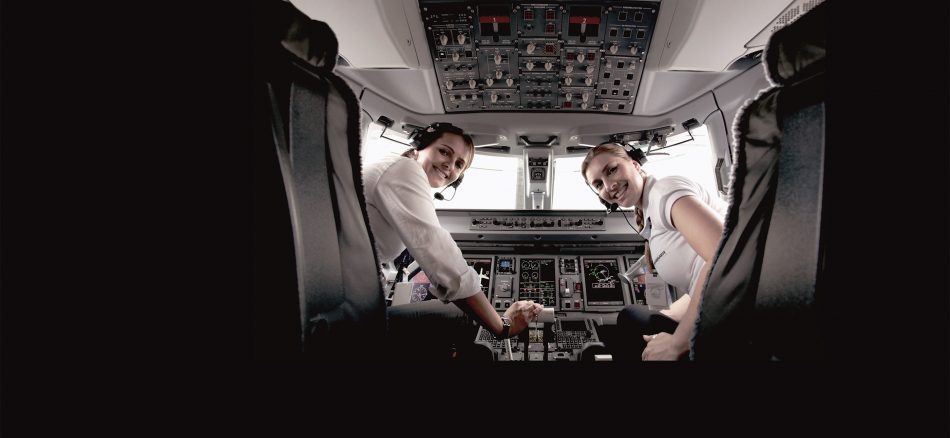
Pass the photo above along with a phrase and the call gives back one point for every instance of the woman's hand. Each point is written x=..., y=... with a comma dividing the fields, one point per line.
x=521, y=313
x=664, y=346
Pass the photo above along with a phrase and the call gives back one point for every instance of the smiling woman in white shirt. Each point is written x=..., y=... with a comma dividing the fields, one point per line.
x=402, y=216
x=682, y=223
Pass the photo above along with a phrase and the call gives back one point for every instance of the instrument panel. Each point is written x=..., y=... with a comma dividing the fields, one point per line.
x=522, y=56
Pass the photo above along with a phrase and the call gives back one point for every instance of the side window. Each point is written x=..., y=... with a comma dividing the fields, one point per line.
x=490, y=183
x=690, y=158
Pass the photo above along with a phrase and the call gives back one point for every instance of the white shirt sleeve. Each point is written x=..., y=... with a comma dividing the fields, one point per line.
x=405, y=201
x=667, y=191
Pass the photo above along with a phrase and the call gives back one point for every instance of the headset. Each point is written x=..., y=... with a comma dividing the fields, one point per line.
x=423, y=137
x=634, y=153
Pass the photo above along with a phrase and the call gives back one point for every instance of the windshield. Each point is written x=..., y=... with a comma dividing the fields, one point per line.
x=491, y=183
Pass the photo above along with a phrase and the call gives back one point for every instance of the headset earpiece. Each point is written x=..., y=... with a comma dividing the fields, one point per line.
x=636, y=154
x=455, y=184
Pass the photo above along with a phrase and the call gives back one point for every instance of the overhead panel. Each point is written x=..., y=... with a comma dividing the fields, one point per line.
x=539, y=57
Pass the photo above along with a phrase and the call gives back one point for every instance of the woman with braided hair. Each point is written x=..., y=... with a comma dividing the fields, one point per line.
x=683, y=223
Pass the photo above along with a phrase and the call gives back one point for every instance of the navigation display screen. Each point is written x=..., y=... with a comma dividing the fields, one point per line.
x=482, y=266
x=602, y=282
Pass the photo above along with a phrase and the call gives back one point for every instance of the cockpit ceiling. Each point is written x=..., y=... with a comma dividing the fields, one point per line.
x=410, y=51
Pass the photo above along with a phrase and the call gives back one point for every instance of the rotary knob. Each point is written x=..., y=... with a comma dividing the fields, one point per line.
x=509, y=81
x=567, y=81
x=580, y=57
x=569, y=68
x=455, y=57
x=449, y=85
x=494, y=98
x=489, y=81
x=497, y=58
x=530, y=65
x=605, y=107
x=497, y=74
x=444, y=39
x=530, y=48
x=588, y=81
x=590, y=69
x=613, y=48
x=548, y=66
x=461, y=38
x=471, y=83
x=568, y=97
x=633, y=50
x=585, y=96
x=584, y=105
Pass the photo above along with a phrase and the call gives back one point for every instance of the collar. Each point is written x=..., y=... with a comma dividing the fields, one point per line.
x=645, y=196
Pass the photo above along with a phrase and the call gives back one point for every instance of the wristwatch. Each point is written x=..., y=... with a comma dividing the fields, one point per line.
x=505, y=327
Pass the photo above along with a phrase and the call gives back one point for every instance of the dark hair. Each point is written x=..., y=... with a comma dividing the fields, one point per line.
x=423, y=137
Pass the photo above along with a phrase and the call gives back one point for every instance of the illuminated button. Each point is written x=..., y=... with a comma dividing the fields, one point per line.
x=577, y=304
x=567, y=304
x=529, y=14
x=577, y=287
x=549, y=14
x=548, y=28
x=498, y=304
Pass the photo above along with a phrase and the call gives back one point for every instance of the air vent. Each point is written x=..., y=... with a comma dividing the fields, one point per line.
x=790, y=14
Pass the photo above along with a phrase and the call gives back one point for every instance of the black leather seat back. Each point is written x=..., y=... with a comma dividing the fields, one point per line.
x=313, y=118
x=763, y=292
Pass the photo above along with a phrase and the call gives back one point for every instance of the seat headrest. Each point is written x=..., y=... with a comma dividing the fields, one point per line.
x=797, y=51
x=283, y=27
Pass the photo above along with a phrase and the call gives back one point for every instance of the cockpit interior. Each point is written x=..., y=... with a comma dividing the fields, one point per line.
x=725, y=93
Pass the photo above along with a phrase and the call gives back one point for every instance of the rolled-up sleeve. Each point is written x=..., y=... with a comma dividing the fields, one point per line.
x=405, y=201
